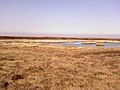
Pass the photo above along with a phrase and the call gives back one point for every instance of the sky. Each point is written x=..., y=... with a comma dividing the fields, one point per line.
x=59, y=17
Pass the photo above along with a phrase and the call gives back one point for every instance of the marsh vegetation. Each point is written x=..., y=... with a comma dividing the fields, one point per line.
x=28, y=66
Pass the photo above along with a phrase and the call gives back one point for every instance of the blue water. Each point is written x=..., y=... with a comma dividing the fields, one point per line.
x=90, y=45
x=83, y=45
x=77, y=44
x=112, y=44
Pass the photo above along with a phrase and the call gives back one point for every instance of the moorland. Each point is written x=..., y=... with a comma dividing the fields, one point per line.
x=29, y=66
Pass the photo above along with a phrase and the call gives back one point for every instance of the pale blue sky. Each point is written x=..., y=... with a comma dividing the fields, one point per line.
x=60, y=16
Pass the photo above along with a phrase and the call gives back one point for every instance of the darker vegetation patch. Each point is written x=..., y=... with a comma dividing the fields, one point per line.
x=17, y=77
x=2, y=58
x=4, y=84
x=100, y=73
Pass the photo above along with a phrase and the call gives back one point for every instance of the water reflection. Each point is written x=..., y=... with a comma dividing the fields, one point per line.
x=89, y=45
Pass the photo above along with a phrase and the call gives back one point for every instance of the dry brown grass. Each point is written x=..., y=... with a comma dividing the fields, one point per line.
x=52, y=67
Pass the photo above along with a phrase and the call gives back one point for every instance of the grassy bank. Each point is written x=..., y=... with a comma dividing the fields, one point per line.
x=54, y=67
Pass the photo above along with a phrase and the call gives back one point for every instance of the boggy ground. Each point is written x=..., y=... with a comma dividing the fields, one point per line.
x=56, y=67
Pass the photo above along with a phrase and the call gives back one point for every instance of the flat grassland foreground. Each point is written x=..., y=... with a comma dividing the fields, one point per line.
x=56, y=67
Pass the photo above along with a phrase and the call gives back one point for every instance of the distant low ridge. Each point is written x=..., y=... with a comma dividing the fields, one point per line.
x=54, y=37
